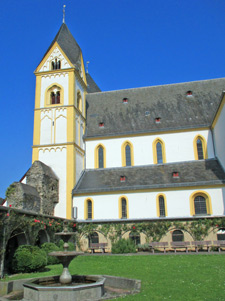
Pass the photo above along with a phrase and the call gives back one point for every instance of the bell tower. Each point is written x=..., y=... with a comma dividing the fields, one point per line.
x=59, y=114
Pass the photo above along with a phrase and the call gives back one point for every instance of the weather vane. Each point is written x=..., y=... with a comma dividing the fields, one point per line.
x=64, y=13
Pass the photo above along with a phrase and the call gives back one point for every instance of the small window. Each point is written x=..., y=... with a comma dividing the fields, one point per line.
x=175, y=174
x=125, y=100
x=162, y=211
x=128, y=155
x=89, y=208
x=122, y=179
x=189, y=93
x=135, y=237
x=158, y=120
x=124, y=207
x=101, y=124
x=177, y=235
x=221, y=234
x=200, y=205
x=147, y=113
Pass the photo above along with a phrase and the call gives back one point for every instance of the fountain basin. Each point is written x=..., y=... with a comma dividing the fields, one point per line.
x=50, y=289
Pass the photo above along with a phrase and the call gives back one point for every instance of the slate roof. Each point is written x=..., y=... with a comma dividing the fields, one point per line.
x=2, y=201
x=92, y=87
x=191, y=173
x=68, y=44
x=168, y=102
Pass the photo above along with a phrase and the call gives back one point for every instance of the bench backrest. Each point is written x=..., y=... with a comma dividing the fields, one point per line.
x=180, y=243
x=158, y=244
x=201, y=243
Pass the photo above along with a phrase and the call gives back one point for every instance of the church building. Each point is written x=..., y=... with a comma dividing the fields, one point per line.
x=139, y=154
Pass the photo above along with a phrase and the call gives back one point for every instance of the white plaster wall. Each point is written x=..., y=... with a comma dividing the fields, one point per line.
x=54, y=78
x=56, y=53
x=219, y=137
x=47, y=129
x=55, y=157
x=179, y=147
x=143, y=205
x=79, y=165
x=60, y=125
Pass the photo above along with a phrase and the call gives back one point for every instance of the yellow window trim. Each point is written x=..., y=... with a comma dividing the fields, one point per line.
x=86, y=208
x=157, y=204
x=48, y=92
x=154, y=143
x=123, y=153
x=207, y=198
x=97, y=158
x=120, y=206
x=204, y=147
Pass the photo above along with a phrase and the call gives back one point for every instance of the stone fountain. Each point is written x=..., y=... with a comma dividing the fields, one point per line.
x=66, y=286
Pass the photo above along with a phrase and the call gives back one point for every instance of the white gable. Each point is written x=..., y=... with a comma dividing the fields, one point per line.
x=56, y=53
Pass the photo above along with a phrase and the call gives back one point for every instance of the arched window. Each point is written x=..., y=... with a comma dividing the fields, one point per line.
x=135, y=237
x=100, y=159
x=177, y=235
x=159, y=152
x=127, y=154
x=56, y=64
x=159, y=155
x=79, y=101
x=93, y=239
x=161, y=205
x=200, y=203
x=200, y=148
x=88, y=209
x=54, y=95
x=123, y=207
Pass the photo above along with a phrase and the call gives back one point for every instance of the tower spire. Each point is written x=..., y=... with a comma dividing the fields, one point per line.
x=64, y=13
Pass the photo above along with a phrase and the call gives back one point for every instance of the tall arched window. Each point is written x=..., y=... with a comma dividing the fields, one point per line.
x=200, y=203
x=159, y=155
x=88, y=209
x=79, y=101
x=123, y=207
x=161, y=205
x=127, y=154
x=159, y=152
x=200, y=148
x=100, y=159
x=177, y=235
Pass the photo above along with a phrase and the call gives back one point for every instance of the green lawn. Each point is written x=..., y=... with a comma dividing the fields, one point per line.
x=180, y=277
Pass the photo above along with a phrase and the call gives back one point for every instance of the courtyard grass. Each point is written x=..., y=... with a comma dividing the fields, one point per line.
x=180, y=277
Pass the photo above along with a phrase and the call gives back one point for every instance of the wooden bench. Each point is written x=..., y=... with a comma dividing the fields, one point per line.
x=219, y=244
x=154, y=245
x=199, y=243
x=98, y=246
x=180, y=244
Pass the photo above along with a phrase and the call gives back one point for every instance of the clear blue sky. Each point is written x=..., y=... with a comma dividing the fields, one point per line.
x=129, y=43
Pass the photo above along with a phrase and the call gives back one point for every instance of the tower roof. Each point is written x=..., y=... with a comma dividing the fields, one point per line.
x=68, y=44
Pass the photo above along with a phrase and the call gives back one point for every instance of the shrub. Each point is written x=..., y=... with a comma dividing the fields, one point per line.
x=123, y=246
x=71, y=245
x=50, y=247
x=28, y=259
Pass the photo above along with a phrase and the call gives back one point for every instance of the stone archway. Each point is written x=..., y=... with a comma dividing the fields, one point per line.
x=42, y=237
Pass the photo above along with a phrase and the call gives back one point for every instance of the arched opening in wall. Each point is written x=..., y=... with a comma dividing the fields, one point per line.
x=42, y=237
x=200, y=205
x=200, y=148
x=124, y=208
x=54, y=95
x=135, y=237
x=159, y=152
x=221, y=234
x=79, y=101
x=17, y=238
x=100, y=156
x=177, y=235
x=127, y=154
x=93, y=239
x=56, y=64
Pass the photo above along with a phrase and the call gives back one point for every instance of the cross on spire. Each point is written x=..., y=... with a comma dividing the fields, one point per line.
x=64, y=13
